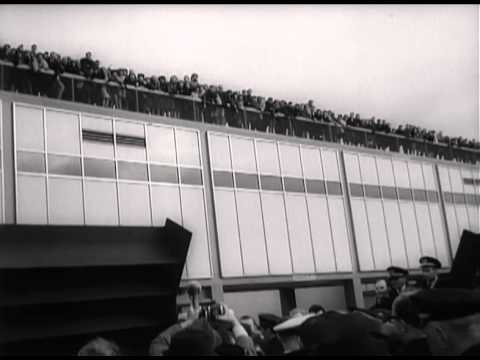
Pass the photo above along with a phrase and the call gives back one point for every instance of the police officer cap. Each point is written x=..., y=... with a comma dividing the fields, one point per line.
x=396, y=271
x=430, y=261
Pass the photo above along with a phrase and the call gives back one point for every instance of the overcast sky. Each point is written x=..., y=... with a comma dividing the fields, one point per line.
x=407, y=64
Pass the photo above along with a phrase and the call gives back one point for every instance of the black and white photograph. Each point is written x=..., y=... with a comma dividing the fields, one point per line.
x=239, y=180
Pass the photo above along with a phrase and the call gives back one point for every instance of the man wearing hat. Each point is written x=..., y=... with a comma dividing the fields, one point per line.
x=430, y=266
x=395, y=282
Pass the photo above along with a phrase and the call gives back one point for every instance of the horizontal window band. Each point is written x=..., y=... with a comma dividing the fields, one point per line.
x=405, y=194
x=64, y=165
x=448, y=196
x=356, y=190
x=433, y=196
x=294, y=185
x=372, y=191
x=459, y=198
x=130, y=140
x=246, y=181
x=132, y=171
x=334, y=188
x=191, y=176
x=31, y=162
x=164, y=173
x=223, y=178
x=419, y=195
x=271, y=182
x=471, y=199
x=315, y=186
x=90, y=135
x=100, y=168
x=389, y=192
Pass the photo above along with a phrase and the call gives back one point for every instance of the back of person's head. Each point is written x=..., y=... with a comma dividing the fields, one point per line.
x=316, y=309
x=198, y=339
x=99, y=347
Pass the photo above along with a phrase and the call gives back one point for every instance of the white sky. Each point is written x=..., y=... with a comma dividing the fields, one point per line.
x=407, y=64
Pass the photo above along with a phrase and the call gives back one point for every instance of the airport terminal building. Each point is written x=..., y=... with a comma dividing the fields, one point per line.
x=278, y=221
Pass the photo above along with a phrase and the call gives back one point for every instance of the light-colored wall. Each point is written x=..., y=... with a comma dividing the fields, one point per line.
x=330, y=297
x=254, y=302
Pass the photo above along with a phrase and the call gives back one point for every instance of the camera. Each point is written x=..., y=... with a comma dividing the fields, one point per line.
x=211, y=311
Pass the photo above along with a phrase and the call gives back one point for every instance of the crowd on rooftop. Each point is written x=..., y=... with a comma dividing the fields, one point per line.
x=91, y=69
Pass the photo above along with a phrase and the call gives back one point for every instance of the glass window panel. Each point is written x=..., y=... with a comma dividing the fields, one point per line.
x=368, y=170
x=459, y=198
x=227, y=230
x=389, y=192
x=444, y=178
x=63, y=132
x=425, y=229
x=99, y=168
x=223, y=178
x=448, y=196
x=362, y=235
x=429, y=176
x=340, y=235
x=29, y=128
x=134, y=204
x=356, y=190
x=294, y=185
x=312, y=163
x=334, y=188
x=129, y=129
x=432, y=196
x=132, y=171
x=165, y=204
x=30, y=162
x=330, y=165
x=98, y=149
x=412, y=242
x=401, y=174
x=395, y=233
x=65, y=203
x=378, y=235
x=416, y=175
x=161, y=144
x=420, y=195
x=456, y=179
x=97, y=124
x=372, y=191
x=64, y=165
x=163, y=173
x=191, y=176
x=243, y=155
x=270, y=182
x=246, y=181
x=101, y=207
x=471, y=199
x=187, y=147
x=385, y=171
x=316, y=186
x=268, y=157
x=31, y=200
x=290, y=160
x=352, y=168
x=405, y=194
x=276, y=233
x=219, y=152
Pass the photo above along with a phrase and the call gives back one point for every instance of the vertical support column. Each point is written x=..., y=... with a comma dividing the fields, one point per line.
x=217, y=288
x=353, y=290
x=443, y=210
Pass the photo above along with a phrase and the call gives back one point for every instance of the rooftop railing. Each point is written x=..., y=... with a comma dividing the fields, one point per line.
x=139, y=99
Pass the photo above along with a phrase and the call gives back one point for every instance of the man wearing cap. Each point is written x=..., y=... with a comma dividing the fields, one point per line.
x=430, y=266
x=395, y=282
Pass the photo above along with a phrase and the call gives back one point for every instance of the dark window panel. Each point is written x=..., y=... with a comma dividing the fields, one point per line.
x=246, y=181
x=389, y=192
x=164, y=173
x=478, y=199
x=91, y=135
x=356, y=190
x=270, y=182
x=471, y=199
x=420, y=195
x=459, y=198
x=372, y=191
x=191, y=176
x=448, y=196
x=64, y=165
x=432, y=196
x=132, y=171
x=31, y=162
x=334, y=188
x=99, y=168
x=130, y=140
x=223, y=178
x=316, y=186
x=294, y=184
x=405, y=194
